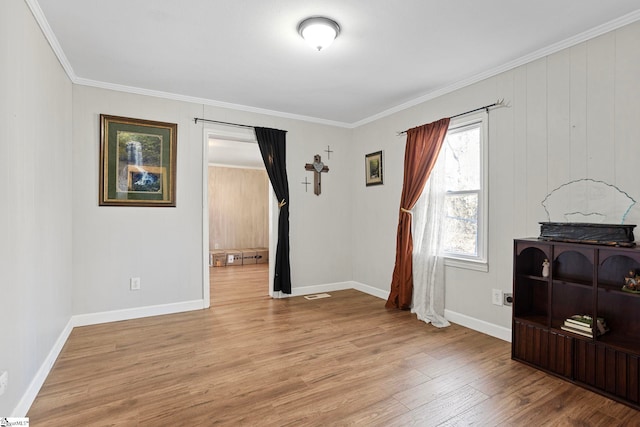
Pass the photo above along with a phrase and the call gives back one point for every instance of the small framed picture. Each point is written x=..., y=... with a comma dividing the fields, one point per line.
x=373, y=166
x=137, y=162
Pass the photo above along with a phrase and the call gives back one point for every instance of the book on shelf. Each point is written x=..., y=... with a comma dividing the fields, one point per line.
x=582, y=325
x=586, y=319
x=577, y=325
x=576, y=331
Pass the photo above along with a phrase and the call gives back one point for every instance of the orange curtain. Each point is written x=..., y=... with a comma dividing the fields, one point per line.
x=421, y=152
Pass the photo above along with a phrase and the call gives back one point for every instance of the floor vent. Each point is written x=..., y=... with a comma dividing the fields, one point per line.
x=317, y=296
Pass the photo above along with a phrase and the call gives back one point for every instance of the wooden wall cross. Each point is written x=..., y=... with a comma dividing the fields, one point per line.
x=317, y=167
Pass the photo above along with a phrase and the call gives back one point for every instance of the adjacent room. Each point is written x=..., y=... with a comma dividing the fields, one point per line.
x=320, y=213
x=238, y=194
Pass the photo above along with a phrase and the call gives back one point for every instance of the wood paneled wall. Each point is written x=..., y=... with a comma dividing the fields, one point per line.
x=238, y=208
x=574, y=114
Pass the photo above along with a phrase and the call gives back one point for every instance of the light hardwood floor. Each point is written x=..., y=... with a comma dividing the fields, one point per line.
x=344, y=360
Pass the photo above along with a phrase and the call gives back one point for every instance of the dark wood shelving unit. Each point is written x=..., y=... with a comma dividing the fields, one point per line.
x=584, y=279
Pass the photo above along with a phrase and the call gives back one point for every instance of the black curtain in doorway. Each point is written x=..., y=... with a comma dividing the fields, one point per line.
x=272, y=143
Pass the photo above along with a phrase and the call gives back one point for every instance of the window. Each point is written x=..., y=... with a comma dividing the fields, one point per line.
x=463, y=157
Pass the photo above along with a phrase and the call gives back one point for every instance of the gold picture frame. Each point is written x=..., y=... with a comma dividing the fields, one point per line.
x=137, y=162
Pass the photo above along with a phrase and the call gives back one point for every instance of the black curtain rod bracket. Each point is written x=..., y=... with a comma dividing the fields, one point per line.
x=498, y=103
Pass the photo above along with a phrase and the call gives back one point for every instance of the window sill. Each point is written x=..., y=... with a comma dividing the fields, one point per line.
x=467, y=264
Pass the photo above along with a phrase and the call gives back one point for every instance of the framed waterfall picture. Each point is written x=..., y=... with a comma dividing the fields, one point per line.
x=373, y=168
x=137, y=162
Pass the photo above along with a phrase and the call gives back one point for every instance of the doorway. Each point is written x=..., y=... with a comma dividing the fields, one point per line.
x=240, y=219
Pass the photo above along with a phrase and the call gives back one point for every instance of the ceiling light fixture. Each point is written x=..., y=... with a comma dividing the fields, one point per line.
x=319, y=31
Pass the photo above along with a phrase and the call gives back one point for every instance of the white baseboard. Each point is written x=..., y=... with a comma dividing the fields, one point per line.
x=339, y=286
x=318, y=289
x=92, y=319
x=136, y=313
x=29, y=396
x=461, y=319
x=479, y=325
x=371, y=290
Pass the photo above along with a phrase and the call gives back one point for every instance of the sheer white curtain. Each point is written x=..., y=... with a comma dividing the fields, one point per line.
x=428, y=263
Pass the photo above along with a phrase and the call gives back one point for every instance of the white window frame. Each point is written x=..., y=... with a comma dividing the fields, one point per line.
x=480, y=261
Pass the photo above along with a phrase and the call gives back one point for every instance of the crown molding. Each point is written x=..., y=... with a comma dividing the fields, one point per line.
x=540, y=53
x=205, y=101
x=36, y=10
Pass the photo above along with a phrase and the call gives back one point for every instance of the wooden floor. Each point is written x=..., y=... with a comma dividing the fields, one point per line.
x=344, y=360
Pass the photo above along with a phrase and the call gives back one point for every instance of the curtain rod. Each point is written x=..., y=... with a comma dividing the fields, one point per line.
x=222, y=123
x=498, y=103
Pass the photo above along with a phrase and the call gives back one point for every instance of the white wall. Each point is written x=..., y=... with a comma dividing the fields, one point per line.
x=35, y=212
x=573, y=114
x=163, y=246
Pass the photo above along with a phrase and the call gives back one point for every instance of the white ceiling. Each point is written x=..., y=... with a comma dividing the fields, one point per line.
x=233, y=146
x=247, y=54
x=234, y=154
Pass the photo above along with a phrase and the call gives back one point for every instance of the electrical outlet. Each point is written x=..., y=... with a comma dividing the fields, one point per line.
x=508, y=299
x=134, y=283
x=4, y=381
x=496, y=296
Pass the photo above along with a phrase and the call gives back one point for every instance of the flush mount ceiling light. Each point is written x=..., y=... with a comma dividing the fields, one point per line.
x=319, y=31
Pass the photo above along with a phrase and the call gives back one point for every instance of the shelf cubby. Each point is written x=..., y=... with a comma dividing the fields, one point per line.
x=569, y=299
x=532, y=299
x=614, y=268
x=573, y=265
